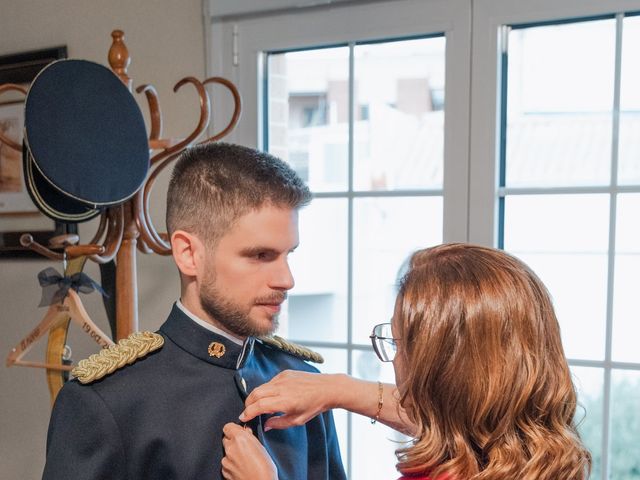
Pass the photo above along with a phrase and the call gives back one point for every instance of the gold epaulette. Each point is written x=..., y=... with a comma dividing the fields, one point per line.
x=125, y=352
x=294, y=349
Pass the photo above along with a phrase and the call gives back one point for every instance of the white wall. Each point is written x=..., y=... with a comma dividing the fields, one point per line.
x=165, y=40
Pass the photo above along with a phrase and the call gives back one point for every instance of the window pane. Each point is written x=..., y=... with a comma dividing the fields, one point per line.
x=564, y=239
x=398, y=137
x=317, y=305
x=399, y=114
x=629, y=147
x=559, y=106
x=625, y=425
x=559, y=133
x=589, y=385
x=386, y=231
x=373, y=441
x=308, y=114
x=626, y=316
x=335, y=361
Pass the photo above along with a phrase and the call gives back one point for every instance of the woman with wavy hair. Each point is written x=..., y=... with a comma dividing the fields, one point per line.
x=483, y=385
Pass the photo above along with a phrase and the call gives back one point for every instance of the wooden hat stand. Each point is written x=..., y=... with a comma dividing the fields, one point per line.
x=127, y=228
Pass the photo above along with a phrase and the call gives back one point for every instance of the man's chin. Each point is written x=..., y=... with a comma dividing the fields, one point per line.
x=265, y=326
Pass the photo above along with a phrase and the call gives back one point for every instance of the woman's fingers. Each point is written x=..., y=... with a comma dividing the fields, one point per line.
x=230, y=430
x=299, y=394
x=263, y=406
x=280, y=422
x=245, y=457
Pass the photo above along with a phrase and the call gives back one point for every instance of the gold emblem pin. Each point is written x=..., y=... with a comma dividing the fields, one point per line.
x=216, y=349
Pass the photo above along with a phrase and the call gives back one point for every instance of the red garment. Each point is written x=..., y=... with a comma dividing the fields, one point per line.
x=412, y=477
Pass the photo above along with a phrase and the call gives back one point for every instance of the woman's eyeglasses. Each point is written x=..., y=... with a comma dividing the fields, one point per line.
x=383, y=342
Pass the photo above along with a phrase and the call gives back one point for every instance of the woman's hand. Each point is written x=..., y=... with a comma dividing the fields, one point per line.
x=245, y=457
x=299, y=396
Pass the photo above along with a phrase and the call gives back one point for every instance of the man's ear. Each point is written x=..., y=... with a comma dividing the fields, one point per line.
x=188, y=253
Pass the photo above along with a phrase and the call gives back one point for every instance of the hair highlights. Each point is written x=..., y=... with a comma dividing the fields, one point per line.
x=489, y=387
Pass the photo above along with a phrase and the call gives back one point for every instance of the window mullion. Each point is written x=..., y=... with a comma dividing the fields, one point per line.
x=606, y=423
x=350, y=260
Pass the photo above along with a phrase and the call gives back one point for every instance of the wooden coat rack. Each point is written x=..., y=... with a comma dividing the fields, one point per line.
x=128, y=228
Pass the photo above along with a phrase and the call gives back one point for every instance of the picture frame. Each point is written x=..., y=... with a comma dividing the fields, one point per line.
x=14, y=198
x=18, y=214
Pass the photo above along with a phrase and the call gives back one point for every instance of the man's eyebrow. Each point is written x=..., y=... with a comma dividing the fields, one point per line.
x=250, y=251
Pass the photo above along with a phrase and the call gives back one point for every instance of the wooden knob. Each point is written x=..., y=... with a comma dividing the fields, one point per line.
x=119, y=58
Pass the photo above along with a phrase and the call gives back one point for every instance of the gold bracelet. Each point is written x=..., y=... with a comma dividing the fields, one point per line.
x=380, y=403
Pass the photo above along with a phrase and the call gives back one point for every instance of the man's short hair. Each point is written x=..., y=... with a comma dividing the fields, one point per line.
x=214, y=184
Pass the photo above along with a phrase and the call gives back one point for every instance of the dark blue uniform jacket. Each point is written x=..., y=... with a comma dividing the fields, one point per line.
x=162, y=417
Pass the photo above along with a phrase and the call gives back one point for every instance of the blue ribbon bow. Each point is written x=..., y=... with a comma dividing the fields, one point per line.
x=55, y=287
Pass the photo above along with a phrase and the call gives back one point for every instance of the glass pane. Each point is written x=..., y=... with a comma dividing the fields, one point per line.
x=625, y=425
x=373, y=441
x=559, y=106
x=367, y=365
x=564, y=239
x=399, y=114
x=626, y=316
x=335, y=361
x=629, y=147
x=341, y=419
x=386, y=232
x=308, y=114
x=589, y=385
x=317, y=306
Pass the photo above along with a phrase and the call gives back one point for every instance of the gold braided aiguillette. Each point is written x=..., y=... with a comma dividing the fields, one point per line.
x=292, y=348
x=125, y=352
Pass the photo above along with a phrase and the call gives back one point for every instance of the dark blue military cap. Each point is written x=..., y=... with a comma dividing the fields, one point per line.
x=85, y=142
x=49, y=200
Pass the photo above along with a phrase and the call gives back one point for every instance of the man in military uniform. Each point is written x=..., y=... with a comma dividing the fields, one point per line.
x=155, y=405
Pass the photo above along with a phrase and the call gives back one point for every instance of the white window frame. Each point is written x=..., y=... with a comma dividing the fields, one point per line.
x=489, y=17
x=235, y=44
x=246, y=38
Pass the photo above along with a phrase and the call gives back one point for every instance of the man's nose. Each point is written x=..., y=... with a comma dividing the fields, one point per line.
x=282, y=277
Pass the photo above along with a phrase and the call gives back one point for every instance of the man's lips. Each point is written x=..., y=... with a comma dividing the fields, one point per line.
x=273, y=307
x=272, y=303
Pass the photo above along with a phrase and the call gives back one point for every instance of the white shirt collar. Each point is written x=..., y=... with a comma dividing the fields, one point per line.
x=207, y=325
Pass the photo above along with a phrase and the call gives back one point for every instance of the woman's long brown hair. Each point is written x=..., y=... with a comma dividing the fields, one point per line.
x=486, y=380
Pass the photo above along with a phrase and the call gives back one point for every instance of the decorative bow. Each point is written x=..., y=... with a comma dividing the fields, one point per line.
x=55, y=287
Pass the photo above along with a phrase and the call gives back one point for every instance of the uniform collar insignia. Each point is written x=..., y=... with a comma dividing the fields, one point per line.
x=204, y=344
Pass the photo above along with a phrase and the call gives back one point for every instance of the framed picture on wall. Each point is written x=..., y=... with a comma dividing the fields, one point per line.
x=18, y=214
x=14, y=198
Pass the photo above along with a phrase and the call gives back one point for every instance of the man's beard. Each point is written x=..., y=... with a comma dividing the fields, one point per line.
x=234, y=317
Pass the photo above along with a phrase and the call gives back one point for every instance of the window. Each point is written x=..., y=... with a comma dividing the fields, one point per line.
x=534, y=148
x=569, y=199
x=370, y=175
x=354, y=99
